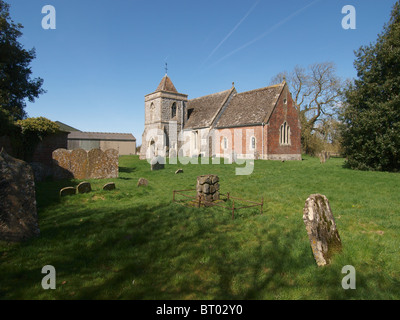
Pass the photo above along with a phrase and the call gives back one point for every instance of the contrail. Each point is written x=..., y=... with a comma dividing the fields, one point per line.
x=265, y=33
x=230, y=33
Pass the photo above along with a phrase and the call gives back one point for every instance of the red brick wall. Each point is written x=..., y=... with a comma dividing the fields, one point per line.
x=44, y=150
x=243, y=134
x=281, y=114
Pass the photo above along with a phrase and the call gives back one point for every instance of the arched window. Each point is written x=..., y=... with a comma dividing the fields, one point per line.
x=284, y=134
x=173, y=110
x=253, y=143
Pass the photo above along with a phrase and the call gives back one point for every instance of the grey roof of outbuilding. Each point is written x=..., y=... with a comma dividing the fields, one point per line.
x=79, y=135
x=206, y=108
x=250, y=107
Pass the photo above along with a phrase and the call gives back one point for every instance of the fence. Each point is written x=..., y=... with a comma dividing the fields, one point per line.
x=198, y=202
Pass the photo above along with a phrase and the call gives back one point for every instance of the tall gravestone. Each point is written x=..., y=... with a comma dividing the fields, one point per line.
x=321, y=228
x=18, y=215
x=82, y=164
x=207, y=188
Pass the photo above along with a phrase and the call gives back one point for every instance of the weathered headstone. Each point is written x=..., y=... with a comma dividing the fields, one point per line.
x=321, y=228
x=207, y=188
x=109, y=186
x=112, y=162
x=67, y=191
x=18, y=215
x=61, y=164
x=79, y=164
x=84, y=187
x=157, y=163
x=82, y=164
x=142, y=182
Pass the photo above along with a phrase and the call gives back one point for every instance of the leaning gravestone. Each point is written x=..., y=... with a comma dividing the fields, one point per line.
x=321, y=228
x=18, y=215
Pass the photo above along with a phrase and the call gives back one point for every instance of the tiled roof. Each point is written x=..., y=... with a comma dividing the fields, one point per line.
x=250, y=107
x=79, y=135
x=166, y=85
x=205, y=109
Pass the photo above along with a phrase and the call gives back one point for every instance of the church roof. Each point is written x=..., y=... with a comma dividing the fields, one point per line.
x=250, y=107
x=166, y=85
x=206, y=108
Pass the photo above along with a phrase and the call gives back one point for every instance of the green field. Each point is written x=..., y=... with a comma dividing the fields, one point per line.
x=135, y=243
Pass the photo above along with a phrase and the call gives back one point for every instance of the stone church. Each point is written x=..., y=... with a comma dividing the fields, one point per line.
x=256, y=124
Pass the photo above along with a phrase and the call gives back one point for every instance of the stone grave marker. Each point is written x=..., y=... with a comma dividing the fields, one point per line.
x=67, y=191
x=321, y=229
x=208, y=188
x=84, y=187
x=142, y=182
x=109, y=186
x=18, y=215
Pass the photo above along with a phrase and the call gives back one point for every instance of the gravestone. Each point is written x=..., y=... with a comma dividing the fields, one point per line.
x=157, y=164
x=142, y=182
x=109, y=186
x=321, y=228
x=207, y=188
x=61, y=164
x=82, y=164
x=67, y=191
x=84, y=187
x=18, y=215
x=79, y=163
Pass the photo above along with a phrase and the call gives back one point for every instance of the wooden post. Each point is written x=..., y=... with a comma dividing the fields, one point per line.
x=228, y=195
x=262, y=204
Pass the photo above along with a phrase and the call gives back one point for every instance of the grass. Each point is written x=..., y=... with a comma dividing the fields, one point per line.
x=135, y=243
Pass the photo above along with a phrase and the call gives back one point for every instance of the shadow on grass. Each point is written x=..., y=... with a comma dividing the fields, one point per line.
x=126, y=169
x=48, y=192
x=165, y=251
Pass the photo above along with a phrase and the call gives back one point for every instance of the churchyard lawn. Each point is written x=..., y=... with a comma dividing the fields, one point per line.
x=135, y=243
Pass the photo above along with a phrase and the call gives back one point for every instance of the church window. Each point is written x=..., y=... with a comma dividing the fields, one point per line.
x=225, y=143
x=284, y=134
x=173, y=110
x=253, y=143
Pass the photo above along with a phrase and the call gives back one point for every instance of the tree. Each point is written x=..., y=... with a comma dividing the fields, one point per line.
x=16, y=84
x=317, y=93
x=371, y=114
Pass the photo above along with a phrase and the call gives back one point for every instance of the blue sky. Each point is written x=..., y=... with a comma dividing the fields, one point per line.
x=104, y=56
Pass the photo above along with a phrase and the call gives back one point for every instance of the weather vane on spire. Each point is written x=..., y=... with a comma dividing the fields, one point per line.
x=166, y=68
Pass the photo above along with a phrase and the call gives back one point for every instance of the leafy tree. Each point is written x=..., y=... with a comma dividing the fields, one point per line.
x=317, y=92
x=371, y=115
x=34, y=130
x=16, y=84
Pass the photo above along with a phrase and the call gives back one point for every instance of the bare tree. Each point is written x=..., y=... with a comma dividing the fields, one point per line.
x=317, y=92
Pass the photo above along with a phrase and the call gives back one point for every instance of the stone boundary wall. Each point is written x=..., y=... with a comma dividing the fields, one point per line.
x=82, y=164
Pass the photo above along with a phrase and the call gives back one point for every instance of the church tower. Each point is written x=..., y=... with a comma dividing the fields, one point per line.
x=163, y=106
